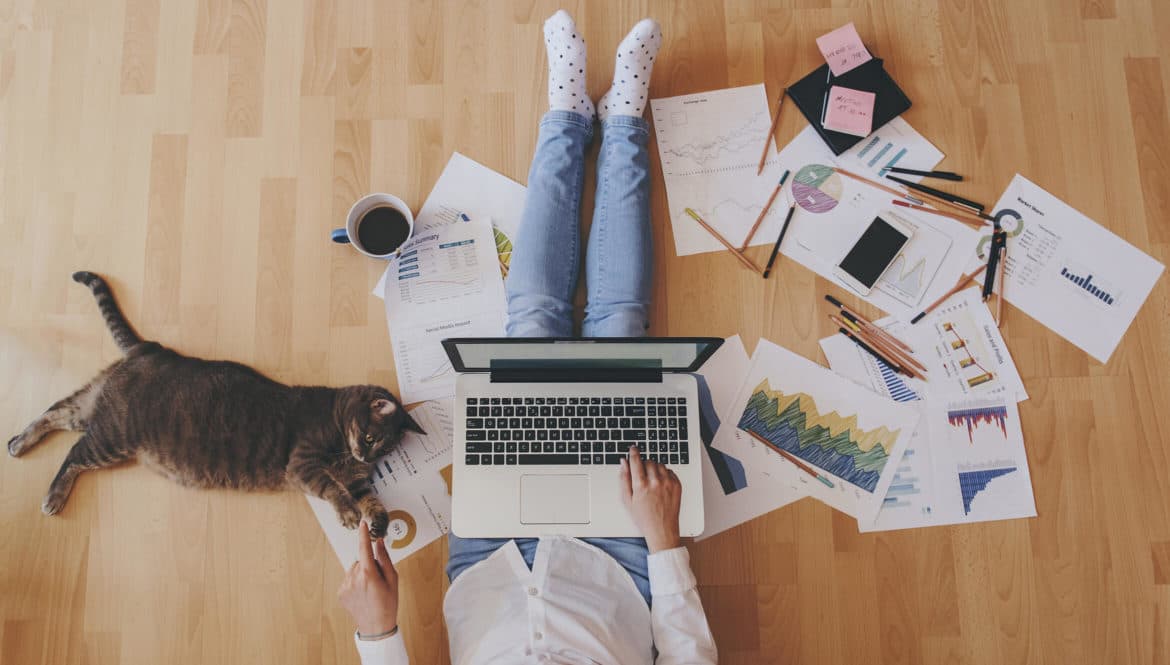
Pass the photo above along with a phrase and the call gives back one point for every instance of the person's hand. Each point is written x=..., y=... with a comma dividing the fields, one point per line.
x=651, y=493
x=370, y=589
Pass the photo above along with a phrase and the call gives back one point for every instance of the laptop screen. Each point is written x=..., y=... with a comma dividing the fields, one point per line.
x=669, y=354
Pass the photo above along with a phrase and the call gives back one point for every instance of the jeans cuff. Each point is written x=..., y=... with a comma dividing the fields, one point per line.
x=631, y=121
x=562, y=117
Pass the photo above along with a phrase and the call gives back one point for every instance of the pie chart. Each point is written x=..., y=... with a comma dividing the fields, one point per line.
x=817, y=188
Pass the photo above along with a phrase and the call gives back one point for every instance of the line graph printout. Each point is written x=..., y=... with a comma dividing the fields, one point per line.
x=446, y=283
x=798, y=412
x=709, y=144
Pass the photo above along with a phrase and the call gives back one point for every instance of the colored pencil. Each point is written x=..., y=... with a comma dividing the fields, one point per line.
x=942, y=175
x=927, y=198
x=772, y=131
x=739, y=255
x=959, y=286
x=973, y=222
x=790, y=457
x=779, y=239
x=874, y=347
x=880, y=186
x=764, y=212
x=946, y=196
x=878, y=330
x=909, y=365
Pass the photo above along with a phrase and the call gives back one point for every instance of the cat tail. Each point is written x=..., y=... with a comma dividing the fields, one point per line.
x=120, y=328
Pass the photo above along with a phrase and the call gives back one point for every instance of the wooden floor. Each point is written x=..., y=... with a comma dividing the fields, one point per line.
x=198, y=154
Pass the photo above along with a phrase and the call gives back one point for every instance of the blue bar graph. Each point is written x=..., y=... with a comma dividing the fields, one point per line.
x=1086, y=283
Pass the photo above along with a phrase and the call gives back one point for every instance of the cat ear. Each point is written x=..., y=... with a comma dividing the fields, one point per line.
x=409, y=424
x=383, y=407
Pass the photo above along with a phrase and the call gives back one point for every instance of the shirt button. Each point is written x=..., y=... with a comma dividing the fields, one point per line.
x=532, y=591
x=537, y=635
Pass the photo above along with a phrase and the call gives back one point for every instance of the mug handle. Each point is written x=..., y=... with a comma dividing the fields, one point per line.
x=339, y=236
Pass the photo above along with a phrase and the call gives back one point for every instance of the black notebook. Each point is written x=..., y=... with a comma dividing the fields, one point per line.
x=809, y=95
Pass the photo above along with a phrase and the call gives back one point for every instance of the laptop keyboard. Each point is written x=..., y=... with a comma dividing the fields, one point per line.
x=574, y=430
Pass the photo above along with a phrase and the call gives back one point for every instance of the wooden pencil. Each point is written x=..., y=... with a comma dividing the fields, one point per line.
x=789, y=456
x=772, y=132
x=867, y=323
x=872, y=346
x=871, y=183
x=739, y=255
x=764, y=212
x=959, y=286
x=972, y=221
x=953, y=206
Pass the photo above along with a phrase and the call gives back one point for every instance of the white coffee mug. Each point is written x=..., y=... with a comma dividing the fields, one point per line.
x=359, y=210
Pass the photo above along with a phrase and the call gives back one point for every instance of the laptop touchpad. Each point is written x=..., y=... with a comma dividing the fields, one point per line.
x=554, y=499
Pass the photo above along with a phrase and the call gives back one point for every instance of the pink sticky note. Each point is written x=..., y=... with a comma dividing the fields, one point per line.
x=843, y=49
x=849, y=111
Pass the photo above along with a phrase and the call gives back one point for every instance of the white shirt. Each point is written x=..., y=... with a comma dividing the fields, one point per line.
x=576, y=606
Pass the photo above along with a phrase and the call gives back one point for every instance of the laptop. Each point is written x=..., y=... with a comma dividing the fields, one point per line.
x=542, y=424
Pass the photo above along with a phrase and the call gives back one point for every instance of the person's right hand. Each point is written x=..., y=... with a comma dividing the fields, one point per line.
x=370, y=589
x=652, y=494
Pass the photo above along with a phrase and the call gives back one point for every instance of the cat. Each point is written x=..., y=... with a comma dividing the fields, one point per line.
x=218, y=424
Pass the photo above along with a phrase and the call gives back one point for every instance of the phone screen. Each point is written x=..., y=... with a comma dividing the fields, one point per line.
x=874, y=251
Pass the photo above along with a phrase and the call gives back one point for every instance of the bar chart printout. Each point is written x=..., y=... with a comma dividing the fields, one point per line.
x=1086, y=283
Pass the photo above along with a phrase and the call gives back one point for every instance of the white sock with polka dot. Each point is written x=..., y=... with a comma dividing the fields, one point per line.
x=566, y=66
x=631, y=73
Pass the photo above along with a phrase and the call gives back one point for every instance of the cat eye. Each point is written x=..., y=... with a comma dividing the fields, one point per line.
x=369, y=438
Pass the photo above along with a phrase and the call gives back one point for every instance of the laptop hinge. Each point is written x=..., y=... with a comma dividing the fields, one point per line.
x=588, y=375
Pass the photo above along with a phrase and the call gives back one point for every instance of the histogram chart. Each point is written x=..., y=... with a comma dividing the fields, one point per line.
x=906, y=485
x=1084, y=280
x=897, y=389
x=974, y=481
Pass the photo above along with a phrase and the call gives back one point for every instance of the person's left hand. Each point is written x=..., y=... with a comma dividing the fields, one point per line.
x=370, y=589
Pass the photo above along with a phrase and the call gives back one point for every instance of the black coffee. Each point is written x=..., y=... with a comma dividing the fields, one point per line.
x=382, y=230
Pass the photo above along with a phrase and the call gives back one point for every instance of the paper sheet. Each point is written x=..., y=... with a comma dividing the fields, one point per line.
x=710, y=144
x=1068, y=272
x=445, y=283
x=959, y=344
x=732, y=492
x=850, y=438
x=466, y=186
x=833, y=210
x=965, y=461
x=413, y=482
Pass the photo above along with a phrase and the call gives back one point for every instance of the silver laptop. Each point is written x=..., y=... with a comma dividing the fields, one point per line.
x=541, y=426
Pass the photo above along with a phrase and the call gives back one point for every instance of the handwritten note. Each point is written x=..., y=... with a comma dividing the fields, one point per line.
x=850, y=111
x=843, y=49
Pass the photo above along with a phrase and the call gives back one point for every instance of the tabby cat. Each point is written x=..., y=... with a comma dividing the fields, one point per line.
x=221, y=424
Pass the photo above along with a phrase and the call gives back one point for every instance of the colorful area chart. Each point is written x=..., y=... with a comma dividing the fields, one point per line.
x=504, y=249
x=817, y=188
x=830, y=441
x=974, y=482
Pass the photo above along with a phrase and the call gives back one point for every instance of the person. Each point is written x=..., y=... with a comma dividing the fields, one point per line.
x=559, y=599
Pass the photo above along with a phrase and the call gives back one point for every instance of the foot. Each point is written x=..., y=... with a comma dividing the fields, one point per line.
x=379, y=521
x=566, y=66
x=631, y=72
x=349, y=515
x=14, y=446
x=54, y=502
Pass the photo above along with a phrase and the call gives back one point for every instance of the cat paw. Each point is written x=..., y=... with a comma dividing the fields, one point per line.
x=378, y=523
x=15, y=447
x=350, y=517
x=53, y=504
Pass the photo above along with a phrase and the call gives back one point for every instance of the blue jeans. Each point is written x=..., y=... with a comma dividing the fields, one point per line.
x=546, y=261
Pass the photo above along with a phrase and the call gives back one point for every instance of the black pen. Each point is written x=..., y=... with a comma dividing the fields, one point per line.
x=946, y=196
x=942, y=175
x=780, y=239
